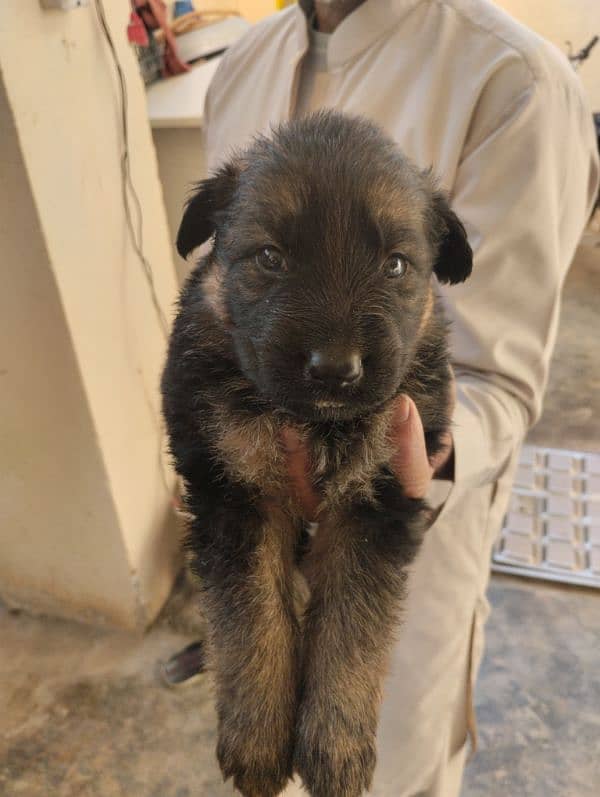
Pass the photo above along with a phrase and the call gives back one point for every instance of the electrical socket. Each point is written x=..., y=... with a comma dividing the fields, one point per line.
x=64, y=5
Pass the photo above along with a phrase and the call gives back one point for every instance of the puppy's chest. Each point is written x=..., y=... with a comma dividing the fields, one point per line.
x=342, y=459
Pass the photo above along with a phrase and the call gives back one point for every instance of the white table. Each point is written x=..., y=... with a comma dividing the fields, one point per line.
x=179, y=101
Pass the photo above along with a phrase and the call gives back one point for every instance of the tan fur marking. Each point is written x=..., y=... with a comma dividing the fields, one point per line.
x=429, y=305
x=342, y=669
x=212, y=287
x=251, y=449
x=256, y=729
x=365, y=455
x=273, y=635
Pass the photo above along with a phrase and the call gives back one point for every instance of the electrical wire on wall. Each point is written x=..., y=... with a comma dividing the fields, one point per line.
x=127, y=186
x=135, y=229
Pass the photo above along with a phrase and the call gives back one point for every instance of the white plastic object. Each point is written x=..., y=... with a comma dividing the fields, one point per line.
x=552, y=527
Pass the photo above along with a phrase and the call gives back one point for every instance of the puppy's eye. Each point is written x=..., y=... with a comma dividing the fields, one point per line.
x=396, y=265
x=270, y=259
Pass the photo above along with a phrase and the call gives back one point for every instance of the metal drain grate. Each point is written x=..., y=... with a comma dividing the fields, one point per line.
x=552, y=527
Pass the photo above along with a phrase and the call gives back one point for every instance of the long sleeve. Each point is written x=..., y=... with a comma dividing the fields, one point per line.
x=525, y=190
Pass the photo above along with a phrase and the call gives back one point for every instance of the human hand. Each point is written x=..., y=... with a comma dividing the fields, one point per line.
x=410, y=463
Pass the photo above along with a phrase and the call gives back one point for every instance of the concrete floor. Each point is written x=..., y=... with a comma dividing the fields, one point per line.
x=538, y=696
x=82, y=712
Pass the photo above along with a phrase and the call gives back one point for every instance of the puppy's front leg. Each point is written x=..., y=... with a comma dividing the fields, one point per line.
x=356, y=571
x=244, y=556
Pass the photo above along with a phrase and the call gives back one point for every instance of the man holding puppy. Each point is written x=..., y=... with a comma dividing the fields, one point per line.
x=501, y=118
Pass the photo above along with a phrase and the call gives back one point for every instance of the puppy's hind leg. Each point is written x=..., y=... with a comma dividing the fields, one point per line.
x=356, y=575
x=244, y=557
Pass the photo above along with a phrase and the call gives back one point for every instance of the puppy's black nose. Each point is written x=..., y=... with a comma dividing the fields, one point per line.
x=335, y=366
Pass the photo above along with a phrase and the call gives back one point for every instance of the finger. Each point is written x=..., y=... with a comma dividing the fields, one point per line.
x=298, y=469
x=409, y=462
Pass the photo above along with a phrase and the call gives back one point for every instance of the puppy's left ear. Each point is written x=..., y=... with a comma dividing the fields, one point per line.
x=454, y=260
x=211, y=197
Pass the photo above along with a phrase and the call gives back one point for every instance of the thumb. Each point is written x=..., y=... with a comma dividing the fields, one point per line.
x=409, y=461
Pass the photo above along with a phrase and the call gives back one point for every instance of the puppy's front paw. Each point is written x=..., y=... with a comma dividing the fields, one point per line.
x=333, y=761
x=258, y=769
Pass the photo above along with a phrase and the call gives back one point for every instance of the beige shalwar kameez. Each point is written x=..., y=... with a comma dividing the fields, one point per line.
x=500, y=116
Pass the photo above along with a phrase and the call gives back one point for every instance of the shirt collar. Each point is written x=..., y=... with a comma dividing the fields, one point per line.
x=357, y=31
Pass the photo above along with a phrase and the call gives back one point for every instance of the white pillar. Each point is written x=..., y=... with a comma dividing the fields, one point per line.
x=86, y=528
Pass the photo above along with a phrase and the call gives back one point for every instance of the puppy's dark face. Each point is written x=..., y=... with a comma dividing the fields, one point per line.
x=326, y=241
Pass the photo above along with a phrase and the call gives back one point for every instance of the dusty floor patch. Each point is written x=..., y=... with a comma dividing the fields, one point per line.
x=538, y=699
x=82, y=712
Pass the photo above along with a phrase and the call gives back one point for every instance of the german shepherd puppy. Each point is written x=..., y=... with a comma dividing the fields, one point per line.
x=314, y=309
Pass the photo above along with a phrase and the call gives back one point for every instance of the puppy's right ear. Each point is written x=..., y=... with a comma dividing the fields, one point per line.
x=454, y=261
x=200, y=216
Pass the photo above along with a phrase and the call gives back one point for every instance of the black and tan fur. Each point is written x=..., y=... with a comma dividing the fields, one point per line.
x=335, y=198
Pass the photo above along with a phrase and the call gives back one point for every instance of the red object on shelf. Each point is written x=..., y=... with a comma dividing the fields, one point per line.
x=153, y=13
x=136, y=31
